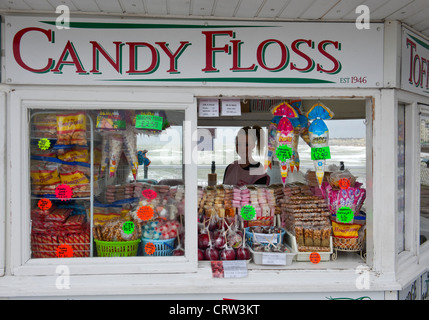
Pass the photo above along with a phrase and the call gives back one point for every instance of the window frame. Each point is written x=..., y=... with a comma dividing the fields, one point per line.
x=20, y=103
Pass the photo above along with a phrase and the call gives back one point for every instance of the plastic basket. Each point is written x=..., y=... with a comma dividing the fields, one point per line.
x=249, y=237
x=117, y=248
x=162, y=247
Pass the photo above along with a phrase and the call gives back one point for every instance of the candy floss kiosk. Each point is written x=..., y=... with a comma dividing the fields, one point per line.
x=105, y=188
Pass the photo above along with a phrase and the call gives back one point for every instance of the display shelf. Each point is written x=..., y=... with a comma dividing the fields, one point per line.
x=90, y=146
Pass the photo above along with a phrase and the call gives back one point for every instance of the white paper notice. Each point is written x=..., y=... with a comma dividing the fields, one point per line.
x=208, y=108
x=235, y=269
x=231, y=107
x=274, y=259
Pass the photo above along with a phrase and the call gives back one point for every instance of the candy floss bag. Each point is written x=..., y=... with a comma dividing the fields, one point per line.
x=71, y=129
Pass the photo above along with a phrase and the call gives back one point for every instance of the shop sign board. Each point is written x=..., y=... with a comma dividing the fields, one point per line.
x=188, y=53
x=415, y=63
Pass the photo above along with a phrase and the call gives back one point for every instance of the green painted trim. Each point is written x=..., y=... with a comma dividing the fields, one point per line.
x=113, y=25
x=247, y=80
x=423, y=44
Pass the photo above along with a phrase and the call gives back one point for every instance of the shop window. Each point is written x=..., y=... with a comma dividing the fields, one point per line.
x=106, y=183
x=424, y=178
x=401, y=179
x=304, y=214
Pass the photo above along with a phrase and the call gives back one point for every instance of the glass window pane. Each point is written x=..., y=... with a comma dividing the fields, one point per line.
x=106, y=183
x=401, y=178
x=424, y=179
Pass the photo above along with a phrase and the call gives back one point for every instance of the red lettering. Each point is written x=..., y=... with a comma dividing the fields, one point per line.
x=173, y=56
x=260, y=55
x=413, y=46
x=17, y=49
x=337, y=65
x=133, y=57
x=295, y=48
x=69, y=50
x=416, y=58
x=211, y=50
x=97, y=48
x=236, y=58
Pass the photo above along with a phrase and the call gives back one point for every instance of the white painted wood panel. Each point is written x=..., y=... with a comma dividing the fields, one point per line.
x=156, y=7
x=110, y=6
x=178, y=7
x=389, y=8
x=41, y=5
x=15, y=5
x=272, y=8
x=318, y=9
x=133, y=6
x=412, y=8
x=68, y=3
x=248, y=8
x=87, y=5
x=225, y=8
x=342, y=8
x=202, y=7
x=296, y=8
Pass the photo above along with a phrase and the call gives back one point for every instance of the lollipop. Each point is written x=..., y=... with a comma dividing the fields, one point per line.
x=319, y=138
x=130, y=149
x=285, y=132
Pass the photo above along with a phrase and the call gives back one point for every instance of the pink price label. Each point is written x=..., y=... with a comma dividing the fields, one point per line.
x=149, y=194
x=63, y=192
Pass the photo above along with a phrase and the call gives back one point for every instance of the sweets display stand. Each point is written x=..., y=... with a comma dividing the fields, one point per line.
x=273, y=258
x=349, y=245
x=305, y=256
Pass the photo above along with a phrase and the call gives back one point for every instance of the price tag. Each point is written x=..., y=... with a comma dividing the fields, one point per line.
x=64, y=251
x=44, y=144
x=273, y=259
x=147, y=121
x=145, y=213
x=149, y=194
x=345, y=214
x=44, y=204
x=320, y=153
x=344, y=183
x=229, y=269
x=208, y=108
x=248, y=212
x=149, y=248
x=231, y=107
x=63, y=192
x=283, y=153
x=314, y=257
x=128, y=227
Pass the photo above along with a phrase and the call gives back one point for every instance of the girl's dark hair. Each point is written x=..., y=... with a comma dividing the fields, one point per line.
x=255, y=131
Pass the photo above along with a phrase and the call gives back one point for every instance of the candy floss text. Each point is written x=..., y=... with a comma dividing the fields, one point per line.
x=300, y=55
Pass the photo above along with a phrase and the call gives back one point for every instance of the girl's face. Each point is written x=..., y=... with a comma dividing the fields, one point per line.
x=244, y=145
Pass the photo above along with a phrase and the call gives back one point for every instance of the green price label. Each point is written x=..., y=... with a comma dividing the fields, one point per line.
x=283, y=153
x=128, y=227
x=44, y=144
x=146, y=121
x=345, y=214
x=320, y=153
x=248, y=212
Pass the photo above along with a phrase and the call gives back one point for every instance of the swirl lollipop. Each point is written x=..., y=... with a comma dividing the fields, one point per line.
x=319, y=138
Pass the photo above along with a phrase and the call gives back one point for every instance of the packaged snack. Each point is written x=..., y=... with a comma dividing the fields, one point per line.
x=71, y=129
x=75, y=155
x=112, y=120
x=341, y=230
x=45, y=125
